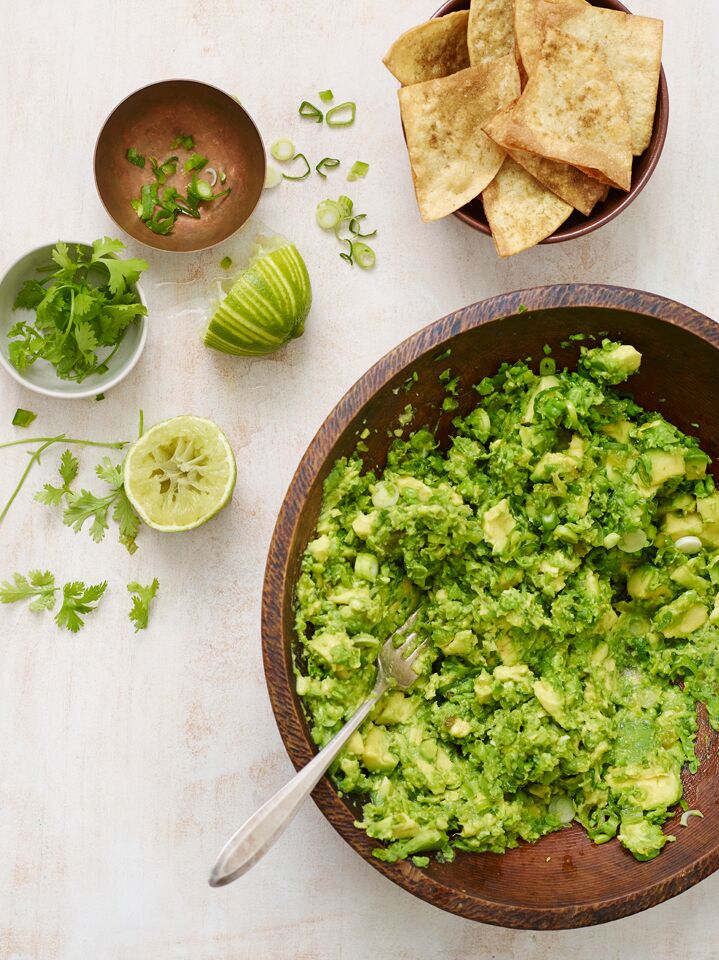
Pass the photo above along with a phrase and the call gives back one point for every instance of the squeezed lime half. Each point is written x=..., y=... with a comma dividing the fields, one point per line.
x=180, y=473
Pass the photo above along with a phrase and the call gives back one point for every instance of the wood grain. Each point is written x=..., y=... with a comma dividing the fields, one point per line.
x=581, y=883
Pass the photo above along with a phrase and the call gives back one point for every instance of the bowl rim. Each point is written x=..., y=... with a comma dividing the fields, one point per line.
x=655, y=149
x=159, y=83
x=278, y=581
x=104, y=385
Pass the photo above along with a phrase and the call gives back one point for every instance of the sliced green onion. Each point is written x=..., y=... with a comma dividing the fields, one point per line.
x=137, y=207
x=328, y=214
x=134, y=157
x=355, y=228
x=547, y=367
x=348, y=256
x=148, y=199
x=303, y=176
x=327, y=163
x=195, y=162
x=100, y=396
x=23, y=418
x=363, y=255
x=273, y=177
x=310, y=112
x=326, y=96
x=185, y=140
x=203, y=189
x=343, y=115
x=226, y=263
x=282, y=150
x=162, y=222
x=359, y=170
x=345, y=205
x=167, y=169
x=223, y=176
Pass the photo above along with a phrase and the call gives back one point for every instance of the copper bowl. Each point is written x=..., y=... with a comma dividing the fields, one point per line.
x=577, y=225
x=149, y=120
x=563, y=880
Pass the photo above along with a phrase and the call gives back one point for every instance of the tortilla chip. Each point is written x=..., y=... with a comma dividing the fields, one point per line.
x=572, y=110
x=452, y=159
x=573, y=186
x=632, y=47
x=434, y=49
x=531, y=20
x=520, y=211
x=490, y=33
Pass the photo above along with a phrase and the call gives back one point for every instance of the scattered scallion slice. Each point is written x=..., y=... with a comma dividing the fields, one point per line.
x=226, y=263
x=185, y=140
x=359, y=170
x=310, y=112
x=326, y=96
x=355, y=227
x=684, y=819
x=343, y=115
x=223, y=176
x=211, y=172
x=273, y=177
x=328, y=214
x=348, y=256
x=302, y=176
x=364, y=256
x=282, y=150
x=23, y=418
x=100, y=396
x=134, y=157
x=195, y=162
x=199, y=189
x=326, y=163
x=345, y=205
x=547, y=367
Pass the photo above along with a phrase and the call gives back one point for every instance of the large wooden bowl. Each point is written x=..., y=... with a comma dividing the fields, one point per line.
x=581, y=884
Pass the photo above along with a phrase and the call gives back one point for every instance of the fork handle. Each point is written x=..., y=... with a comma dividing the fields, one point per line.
x=255, y=837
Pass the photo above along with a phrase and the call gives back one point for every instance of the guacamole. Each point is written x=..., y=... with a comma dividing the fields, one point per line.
x=564, y=552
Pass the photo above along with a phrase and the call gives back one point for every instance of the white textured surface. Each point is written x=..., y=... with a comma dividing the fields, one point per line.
x=126, y=760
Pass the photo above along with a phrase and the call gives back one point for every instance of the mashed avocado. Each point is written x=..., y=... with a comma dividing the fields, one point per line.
x=564, y=549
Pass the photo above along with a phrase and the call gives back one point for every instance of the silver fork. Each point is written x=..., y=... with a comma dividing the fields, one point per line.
x=255, y=837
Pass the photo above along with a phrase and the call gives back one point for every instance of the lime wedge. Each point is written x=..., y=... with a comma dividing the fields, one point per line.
x=267, y=304
x=180, y=473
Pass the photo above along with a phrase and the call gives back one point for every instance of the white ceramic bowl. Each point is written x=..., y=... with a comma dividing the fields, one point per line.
x=41, y=376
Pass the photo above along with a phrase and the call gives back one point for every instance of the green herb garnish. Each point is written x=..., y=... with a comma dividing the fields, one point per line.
x=196, y=162
x=307, y=171
x=326, y=163
x=134, y=157
x=310, y=112
x=359, y=170
x=77, y=599
x=185, y=140
x=83, y=506
x=77, y=602
x=82, y=307
x=343, y=115
x=226, y=263
x=141, y=599
x=23, y=418
x=338, y=214
x=326, y=96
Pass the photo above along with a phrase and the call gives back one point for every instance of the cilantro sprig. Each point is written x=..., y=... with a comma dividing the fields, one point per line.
x=83, y=307
x=86, y=506
x=142, y=597
x=39, y=587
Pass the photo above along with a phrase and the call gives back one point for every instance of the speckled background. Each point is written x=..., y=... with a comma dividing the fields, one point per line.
x=126, y=760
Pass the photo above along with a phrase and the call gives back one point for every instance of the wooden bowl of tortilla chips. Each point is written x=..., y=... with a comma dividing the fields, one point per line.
x=534, y=121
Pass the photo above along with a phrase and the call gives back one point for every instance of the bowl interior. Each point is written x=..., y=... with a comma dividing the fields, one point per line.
x=563, y=880
x=41, y=376
x=577, y=224
x=149, y=120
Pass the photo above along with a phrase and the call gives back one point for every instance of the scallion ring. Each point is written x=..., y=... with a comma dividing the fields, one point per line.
x=308, y=170
x=355, y=227
x=328, y=214
x=359, y=170
x=213, y=173
x=310, y=112
x=326, y=96
x=282, y=150
x=327, y=163
x=348, y=256
x=343, y=115
x=547, y=367
x=273, y=177
x=345, y=205
x=363, y=255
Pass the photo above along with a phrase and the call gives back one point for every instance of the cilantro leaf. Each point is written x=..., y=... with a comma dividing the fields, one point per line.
x=29, y=295
x=85, y=506
x=141, y=599
x=112, y=474
x=77, y=602
x=51, y=495
x=38, y=584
